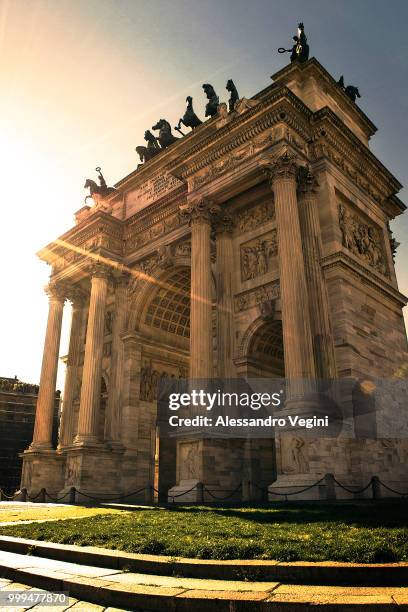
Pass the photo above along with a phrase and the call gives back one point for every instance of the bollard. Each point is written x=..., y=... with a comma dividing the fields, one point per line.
x=330, y=488
x=72, y=492
x=376, y=487
x=24, y=494
x=200, y=492
x=41, y=497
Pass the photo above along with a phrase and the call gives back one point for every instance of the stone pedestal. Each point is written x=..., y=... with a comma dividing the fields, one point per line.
x=93, y=471
x=42, y=470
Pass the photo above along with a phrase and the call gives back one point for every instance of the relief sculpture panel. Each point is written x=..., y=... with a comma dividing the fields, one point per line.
x=363, y=239
x=257, y=255
x=251, y=218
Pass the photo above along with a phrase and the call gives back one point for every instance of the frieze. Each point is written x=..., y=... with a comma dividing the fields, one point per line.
x=251, y=218
x=262, y=294
x=363, y=239
x=155, y=231
x=151, y=375
x=257, y=255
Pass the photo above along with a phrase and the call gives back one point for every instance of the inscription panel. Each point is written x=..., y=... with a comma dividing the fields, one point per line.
x=150, y=191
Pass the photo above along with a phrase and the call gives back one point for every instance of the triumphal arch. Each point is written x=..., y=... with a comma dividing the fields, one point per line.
x=257, y=245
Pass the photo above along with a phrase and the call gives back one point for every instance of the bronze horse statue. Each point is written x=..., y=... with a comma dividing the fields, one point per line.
x=213, y=100
x=152, y=149
x=351, y=91
x=234, y=97
x=189, y=119
x=166, y=138
x=102, y=189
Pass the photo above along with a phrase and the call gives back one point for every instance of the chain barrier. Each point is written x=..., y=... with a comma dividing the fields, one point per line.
x=357, y=491
x=393, y=490
x=3, y=494
x=173, y=497
x=222, y=498
x=73, y=491
x=301, y=490
x=55, y=499
x=99, y=500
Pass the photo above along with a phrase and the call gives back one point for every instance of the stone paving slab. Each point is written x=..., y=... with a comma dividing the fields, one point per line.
x=126, y=590
x=190, y=583
x=298, y=572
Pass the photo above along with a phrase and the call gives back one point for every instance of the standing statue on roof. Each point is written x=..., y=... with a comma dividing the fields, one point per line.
x=300, y=50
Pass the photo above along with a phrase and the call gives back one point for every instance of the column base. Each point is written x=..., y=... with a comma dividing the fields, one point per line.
x=297, y=482
x=94, y=471
x=42, y=469
x=188, y=491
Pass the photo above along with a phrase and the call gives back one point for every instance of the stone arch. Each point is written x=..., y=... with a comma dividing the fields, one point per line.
x=261, y=347
x=145, y=288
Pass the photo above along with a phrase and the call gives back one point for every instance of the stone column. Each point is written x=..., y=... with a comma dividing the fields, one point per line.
x=44, y=416
x=297, y=336
x=225, y=303
x=92, y=370
x=201, y=340
x=323, y=345
x=114, y=408
x=77, y=299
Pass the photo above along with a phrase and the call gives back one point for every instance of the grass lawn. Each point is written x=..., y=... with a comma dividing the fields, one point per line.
x=19, y=513
x=366, y=532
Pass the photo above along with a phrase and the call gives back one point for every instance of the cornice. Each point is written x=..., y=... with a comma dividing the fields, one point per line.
x=313, y=65
x=377, y=281
x=351, y=148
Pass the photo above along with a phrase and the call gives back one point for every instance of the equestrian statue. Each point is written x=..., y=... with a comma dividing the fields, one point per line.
x=153, y=147
x=101, y=190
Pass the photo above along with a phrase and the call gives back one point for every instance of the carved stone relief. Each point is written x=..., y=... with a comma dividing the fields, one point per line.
x=257, y=255
x=363, y=239
x=260, y=295
x=188, y=461
x=250, y=218
x=183, y=249
x=151, y=374
x=108, y=322
x=294, y=455
x=72, y=471
x=155, y=231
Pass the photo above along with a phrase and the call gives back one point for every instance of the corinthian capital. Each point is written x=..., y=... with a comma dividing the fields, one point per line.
x=57, y=292
x=76, y=296
x=99, y=270
x=281, y=167
x=223, y=223
x=307, y=183
x=200, y=209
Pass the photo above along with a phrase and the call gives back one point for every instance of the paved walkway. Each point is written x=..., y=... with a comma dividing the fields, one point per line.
x=127, y=590
x=73, y=604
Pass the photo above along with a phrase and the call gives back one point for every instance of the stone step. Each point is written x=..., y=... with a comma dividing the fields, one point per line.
x=146, y=592
x=299, y=572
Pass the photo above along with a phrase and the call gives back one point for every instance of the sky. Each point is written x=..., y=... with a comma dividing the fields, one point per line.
x=81, y=80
